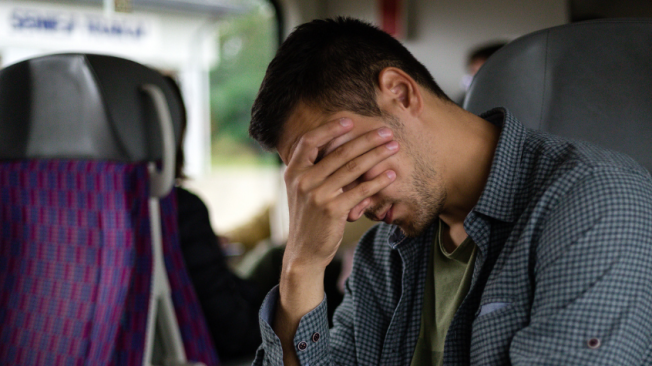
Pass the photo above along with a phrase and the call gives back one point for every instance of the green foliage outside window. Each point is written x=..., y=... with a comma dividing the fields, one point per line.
x=247, y=45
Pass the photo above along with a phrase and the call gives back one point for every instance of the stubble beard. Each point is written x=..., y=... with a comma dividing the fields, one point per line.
x=425, y=199
x=424, y=196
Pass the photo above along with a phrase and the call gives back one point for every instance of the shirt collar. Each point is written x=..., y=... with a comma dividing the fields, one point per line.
x=497, y=198
x=397, y=237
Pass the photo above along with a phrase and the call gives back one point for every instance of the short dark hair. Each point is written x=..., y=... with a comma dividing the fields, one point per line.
x=332, y=65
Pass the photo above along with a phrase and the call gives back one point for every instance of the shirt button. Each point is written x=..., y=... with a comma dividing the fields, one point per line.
x=301, y=346
x=315, y=337
x=594, y=343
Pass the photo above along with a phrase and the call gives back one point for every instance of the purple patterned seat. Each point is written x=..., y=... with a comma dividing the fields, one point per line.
x=130, y=341
x=76, y=246
x=194, y=330
x=71, y=235
x=87, y=225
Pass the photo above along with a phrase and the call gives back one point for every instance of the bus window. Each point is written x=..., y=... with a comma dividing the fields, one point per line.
x=242, y=178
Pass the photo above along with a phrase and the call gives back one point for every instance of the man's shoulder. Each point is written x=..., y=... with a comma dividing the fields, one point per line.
x=569, y=185
x=555, y=162
x=574, y=196
x=577, y=186
x=544, y=148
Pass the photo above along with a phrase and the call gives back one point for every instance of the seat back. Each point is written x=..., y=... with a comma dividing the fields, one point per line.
x=588, y=81
x=192, y=324
x=70, y=230
x=79, y=135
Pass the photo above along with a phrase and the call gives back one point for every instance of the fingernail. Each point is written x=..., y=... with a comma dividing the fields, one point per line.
x=392, y=145
x=384, y=132
x=391, y=174
x=346, y=122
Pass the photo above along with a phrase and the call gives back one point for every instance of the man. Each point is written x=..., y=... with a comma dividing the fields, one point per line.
x=500, y=245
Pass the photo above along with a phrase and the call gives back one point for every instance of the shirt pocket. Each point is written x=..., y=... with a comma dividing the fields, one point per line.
x=489, y=308
x=492, y=313
x=495, y=324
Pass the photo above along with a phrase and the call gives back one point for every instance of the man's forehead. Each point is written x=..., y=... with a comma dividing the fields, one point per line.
x=302, y=120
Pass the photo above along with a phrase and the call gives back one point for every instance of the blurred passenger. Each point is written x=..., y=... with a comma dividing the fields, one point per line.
x=477, y=57
x=230, y=304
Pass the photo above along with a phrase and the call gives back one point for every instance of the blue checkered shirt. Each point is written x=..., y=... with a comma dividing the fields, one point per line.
x=563, y=274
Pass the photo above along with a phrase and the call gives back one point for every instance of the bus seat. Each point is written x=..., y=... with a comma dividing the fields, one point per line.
x=90, y=264
x=588, y=81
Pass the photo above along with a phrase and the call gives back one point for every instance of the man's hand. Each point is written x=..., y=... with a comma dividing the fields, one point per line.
x=322, y=197
x=319, y=204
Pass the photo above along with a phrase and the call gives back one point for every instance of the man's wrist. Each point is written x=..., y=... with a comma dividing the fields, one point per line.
x=301, y=289
x=299, y=269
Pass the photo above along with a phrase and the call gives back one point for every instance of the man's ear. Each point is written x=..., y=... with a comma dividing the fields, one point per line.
x=399, y=90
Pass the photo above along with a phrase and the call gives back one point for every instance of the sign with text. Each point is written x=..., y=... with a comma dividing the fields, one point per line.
x=86, y=29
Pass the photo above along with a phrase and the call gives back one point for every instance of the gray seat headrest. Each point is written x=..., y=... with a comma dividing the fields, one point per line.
x=82, y=107
x=590, y=81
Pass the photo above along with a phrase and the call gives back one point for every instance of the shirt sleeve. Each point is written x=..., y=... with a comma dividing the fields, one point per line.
x=311, y=340
x=323, y=346
x=592, y=266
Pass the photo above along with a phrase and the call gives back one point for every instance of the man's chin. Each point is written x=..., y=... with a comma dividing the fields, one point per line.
x=412, y=230
x=409, y=230
x=410, y=233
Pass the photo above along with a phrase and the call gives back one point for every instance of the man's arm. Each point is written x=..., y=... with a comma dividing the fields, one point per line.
x=314, y=330
x=322, y=197
x=593, y=277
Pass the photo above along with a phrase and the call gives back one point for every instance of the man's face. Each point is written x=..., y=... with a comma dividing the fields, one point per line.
x=413, y=200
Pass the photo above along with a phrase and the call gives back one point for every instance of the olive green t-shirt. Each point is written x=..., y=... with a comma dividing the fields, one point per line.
x=446, y=287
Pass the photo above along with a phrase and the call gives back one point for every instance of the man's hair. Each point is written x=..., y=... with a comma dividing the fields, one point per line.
x=331, y=65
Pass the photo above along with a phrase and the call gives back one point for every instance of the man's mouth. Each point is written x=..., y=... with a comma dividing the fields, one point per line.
x=386, y=216
x=389, y=215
